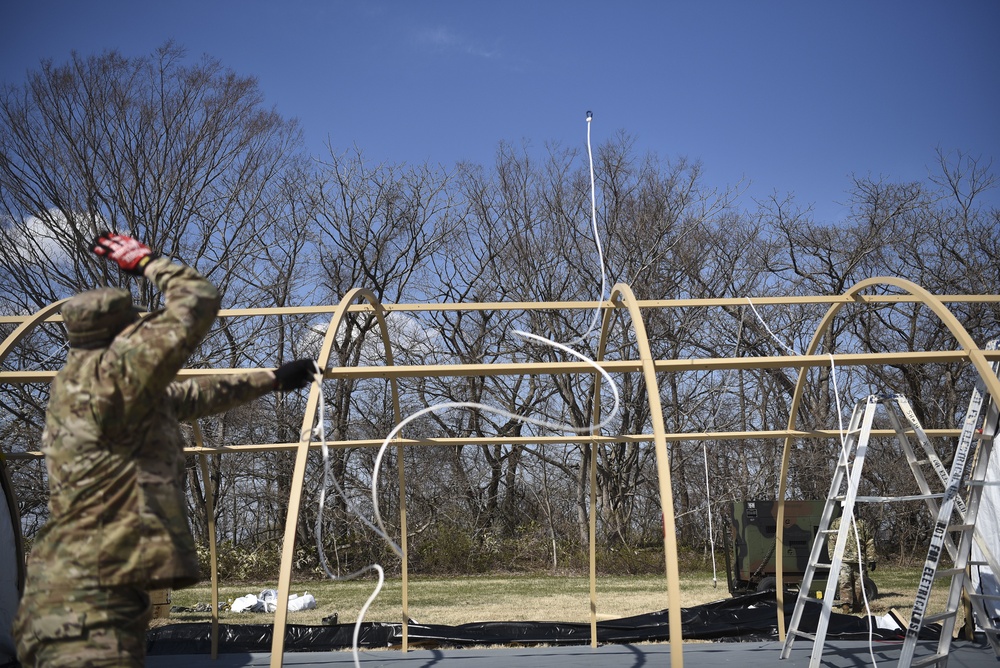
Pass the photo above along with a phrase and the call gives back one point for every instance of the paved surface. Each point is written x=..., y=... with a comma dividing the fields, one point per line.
x=847, y=654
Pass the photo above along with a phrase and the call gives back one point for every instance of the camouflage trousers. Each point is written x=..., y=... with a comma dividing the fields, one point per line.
x=850, y=583
x=65, y=627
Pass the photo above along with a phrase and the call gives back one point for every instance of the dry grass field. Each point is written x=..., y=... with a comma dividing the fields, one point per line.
x=460, y=600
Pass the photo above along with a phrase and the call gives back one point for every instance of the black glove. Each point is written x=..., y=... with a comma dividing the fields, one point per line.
x=128, y=253
x=872, y=565
x=295, y=375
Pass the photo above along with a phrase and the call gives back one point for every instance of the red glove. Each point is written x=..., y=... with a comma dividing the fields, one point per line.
x=131, y=255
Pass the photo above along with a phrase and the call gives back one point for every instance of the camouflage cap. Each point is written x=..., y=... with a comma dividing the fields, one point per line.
x=95, y=317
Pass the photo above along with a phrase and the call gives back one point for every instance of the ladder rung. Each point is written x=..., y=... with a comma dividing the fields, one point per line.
x=822, y=565
x=803, y=634
x=812, y=599
x=961, y=527
x=888, y=499
x=927, y=660
x=985, y=597
x=948, y=572
x=984, y=483
x=937, y=617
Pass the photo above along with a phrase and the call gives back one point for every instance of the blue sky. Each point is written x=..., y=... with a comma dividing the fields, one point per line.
x=794, y=97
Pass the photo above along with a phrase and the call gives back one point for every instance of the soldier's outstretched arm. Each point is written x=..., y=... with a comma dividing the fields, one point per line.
x=194, y=398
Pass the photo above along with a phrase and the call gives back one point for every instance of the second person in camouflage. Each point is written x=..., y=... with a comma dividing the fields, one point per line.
x=851, y=575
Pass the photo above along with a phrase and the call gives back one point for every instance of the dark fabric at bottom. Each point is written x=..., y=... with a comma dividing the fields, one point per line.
x=744, y=618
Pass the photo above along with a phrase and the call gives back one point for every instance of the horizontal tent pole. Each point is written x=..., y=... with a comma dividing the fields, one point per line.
x=535, y=306
x=612, y=366
x=544, y=440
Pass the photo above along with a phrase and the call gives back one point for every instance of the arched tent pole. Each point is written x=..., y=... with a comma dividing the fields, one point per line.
x=213, y=557
x=972, y=351
x=298, y=474
x=6, y=347
x=25, y=327
x=622, y=294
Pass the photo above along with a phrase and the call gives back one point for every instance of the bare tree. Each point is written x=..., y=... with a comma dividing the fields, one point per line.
x=183, y=156
x=379, y=227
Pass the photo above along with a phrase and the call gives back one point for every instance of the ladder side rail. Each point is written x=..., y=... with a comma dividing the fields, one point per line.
x=955, y=591
x=983, y=432
x=981, y=614
x=825, y=521
x=987, y=443
x=911, y=460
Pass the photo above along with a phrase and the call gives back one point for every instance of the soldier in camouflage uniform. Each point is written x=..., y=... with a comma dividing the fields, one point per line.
x=850, y=574
x=113, y=447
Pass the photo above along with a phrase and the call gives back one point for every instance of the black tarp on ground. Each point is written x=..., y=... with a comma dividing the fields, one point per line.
x=744, y=618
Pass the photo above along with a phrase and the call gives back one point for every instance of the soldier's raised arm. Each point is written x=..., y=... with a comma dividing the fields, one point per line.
x=155, y=348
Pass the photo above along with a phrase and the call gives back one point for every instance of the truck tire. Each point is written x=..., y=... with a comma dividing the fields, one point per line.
x=871, y=589
x=767, y=584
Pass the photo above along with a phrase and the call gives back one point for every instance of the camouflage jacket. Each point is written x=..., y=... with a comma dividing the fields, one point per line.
x=851, y=546
x=114, y=450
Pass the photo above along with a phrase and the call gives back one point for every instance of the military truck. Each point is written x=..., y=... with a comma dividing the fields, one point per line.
x=750, y=546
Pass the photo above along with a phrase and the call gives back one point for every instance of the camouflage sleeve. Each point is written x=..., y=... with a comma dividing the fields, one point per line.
x=153, y=350
x=208, y=395
x=869, y=538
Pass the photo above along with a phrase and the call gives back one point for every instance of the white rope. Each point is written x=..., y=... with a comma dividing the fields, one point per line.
x=496, y=411
x=774, y=336
x=597, y=240
x=41, y=365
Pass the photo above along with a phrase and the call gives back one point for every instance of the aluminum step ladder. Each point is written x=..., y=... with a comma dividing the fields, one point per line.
x=843, y=492
x=968, y=475
x=989, y=624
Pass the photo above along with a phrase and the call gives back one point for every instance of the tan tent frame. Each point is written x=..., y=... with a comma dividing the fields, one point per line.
x=622, y=300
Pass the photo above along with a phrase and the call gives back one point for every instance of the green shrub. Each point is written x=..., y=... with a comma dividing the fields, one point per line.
x=237, y=562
